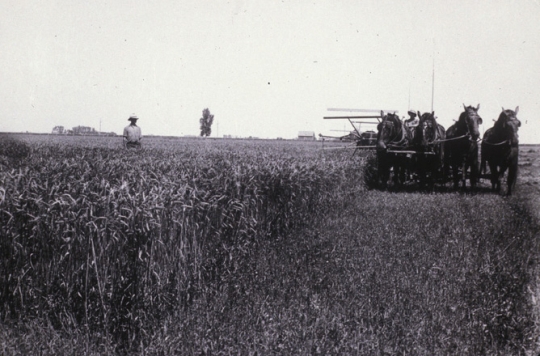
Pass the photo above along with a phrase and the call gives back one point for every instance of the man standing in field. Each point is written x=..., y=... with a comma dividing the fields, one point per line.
x=132, y=133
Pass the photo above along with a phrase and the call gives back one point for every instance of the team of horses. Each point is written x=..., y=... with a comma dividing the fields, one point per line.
x=428, y=153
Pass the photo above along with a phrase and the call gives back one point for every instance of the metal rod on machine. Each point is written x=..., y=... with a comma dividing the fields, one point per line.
x=410, y=152
x=355, y=129
x=361, y=110
x=348, y=147
x=351, y=117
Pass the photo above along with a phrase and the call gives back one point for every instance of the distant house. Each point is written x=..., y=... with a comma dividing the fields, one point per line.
x=84, y=130
x=58, y=130
x=306, y=135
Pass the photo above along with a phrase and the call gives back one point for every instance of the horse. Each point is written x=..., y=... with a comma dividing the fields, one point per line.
x=391, y=133
x=461, y=147
x=500, y=149
x=428, y=142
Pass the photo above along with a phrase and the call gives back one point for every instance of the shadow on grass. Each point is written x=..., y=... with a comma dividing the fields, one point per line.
x=440, y=188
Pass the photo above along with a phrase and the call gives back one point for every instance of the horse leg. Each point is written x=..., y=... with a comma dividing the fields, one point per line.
x=431, y=172
x=397, y=172
x=483, y=166
x=386, y=177
x=441, y=173
x=455, y=174
x=500, y=175
x=399, y=169
x=405, y=170
x=439, y=176
x=445, y=170
x=451, y=172
x=433, y=165
x=474, y=174
x=448, y=174
x=421, y=165
x=494, y=175
x=512, y=177
x=414, y=171
x=464, y=168
x=402, y=174
x=384, y=174
x=502, y=171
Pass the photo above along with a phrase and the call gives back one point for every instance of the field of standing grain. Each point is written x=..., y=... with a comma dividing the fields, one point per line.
x=255, y=247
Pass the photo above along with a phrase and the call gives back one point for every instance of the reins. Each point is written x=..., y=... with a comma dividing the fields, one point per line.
x=467, y=134
x=451, y=139
x=495, y=144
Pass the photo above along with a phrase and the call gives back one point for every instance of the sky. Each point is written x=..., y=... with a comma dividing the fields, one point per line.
x=264, y=68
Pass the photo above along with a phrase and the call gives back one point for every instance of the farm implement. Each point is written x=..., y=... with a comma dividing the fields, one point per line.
x=360, y=140
x=407, y=154
x=421, y=151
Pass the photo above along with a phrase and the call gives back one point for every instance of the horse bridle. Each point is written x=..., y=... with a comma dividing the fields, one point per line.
x=476, y=116
x=434, y=126
x=508, y=140
x=386, y=123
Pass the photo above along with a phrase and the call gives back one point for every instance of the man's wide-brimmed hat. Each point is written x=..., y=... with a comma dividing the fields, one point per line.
x=133, y=117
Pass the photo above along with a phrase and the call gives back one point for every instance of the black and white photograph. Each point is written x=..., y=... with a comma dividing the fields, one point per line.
x=289, y=177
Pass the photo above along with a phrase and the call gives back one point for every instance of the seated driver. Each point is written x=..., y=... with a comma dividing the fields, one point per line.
x=412, y=121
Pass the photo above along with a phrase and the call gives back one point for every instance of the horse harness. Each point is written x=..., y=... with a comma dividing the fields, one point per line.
x=391, y=142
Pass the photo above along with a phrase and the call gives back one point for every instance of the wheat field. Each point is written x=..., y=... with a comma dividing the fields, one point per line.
x=192, y=246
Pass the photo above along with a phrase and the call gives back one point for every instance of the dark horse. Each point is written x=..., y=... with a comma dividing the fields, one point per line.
x=428, y=142
x=392, y=134
x=461, y=147
x=500, y=148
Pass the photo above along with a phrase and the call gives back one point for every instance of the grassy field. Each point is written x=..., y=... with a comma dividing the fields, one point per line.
x=220, y=247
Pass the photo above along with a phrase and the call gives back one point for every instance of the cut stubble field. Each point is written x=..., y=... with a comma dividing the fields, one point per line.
x=256, y=247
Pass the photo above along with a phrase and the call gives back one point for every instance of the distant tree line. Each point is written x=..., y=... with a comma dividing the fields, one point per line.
x=80, y=131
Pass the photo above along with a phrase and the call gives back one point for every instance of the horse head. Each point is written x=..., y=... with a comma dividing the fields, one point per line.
x=426, y=131
x=507, y=126
x=469, y=121
x=389, y=130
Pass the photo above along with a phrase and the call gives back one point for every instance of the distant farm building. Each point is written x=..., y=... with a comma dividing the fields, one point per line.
x=306, y=135
x=59, y=130
x=84, y=130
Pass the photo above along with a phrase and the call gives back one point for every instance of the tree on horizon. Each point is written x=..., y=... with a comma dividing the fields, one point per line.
x=206, y=122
